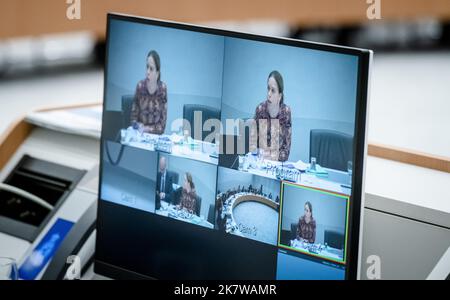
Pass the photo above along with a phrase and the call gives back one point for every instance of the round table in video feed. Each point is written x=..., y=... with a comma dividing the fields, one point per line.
x=253, y=216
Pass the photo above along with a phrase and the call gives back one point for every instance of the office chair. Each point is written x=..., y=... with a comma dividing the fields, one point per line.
x=112, y=131
x=198, y=205
x=293, y=231
x=332, y=149
x=334, y=239
x=175, y=176
x=207, y=113
x=230, y=160
x=211, y=214
x=127, y=103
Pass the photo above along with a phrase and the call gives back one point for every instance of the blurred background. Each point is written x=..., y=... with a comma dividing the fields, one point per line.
x=52, y=52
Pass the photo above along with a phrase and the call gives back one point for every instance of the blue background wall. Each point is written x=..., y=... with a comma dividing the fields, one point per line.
x=290, y=267
x=320, y=87
x=191, y=65
x=133, y=178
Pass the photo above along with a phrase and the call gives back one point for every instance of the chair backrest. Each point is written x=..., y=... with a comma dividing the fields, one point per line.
x=198, y=205
x=211, y=214
x=293, y=231
x=334, y=239
x=127, y=102
x=114, y=121
x=175, y=176
x=207, y=112
x=332, y=149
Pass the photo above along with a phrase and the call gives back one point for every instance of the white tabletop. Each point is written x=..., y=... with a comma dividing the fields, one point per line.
x=198, y=150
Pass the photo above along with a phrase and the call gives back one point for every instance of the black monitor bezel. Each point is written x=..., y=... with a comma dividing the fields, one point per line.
x=360, y=130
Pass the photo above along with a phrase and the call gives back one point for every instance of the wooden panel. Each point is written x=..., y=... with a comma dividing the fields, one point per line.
x=16, y=134
x=407, y=156
x=11, y=140
x=25, y=17
x=8, y=18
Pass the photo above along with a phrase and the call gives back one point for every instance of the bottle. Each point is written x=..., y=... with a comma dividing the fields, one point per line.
x=313, y=164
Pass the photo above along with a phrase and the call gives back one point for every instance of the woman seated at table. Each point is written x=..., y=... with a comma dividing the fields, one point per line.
x=187, y=195
x=306, y=228
x=149, y=109
x=273, y=108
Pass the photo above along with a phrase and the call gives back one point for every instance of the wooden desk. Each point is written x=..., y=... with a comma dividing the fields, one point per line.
x=24, y=17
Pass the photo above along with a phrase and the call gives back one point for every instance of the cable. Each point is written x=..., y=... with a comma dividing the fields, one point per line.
x=119, y=156
x=25, y=194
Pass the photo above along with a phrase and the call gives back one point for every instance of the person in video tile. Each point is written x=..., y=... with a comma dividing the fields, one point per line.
x=188, y=195
x=164, y=181
x=274, y=108
x=306, y=228
x=149, y=109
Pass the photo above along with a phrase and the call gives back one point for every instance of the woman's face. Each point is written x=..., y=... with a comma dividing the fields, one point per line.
x=273, y=94
x=307, y=212
x=152, y=72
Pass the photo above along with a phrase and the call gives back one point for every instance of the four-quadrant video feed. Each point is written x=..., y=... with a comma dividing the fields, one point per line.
x=247, y=205
x=314, y=222
x=185, y=190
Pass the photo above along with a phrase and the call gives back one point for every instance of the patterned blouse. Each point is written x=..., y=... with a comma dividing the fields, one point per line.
x=188, y=200
x=150, y=109
x=306, y=231
x=285, y=121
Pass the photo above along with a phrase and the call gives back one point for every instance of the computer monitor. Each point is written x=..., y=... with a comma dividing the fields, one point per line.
x=228, y=155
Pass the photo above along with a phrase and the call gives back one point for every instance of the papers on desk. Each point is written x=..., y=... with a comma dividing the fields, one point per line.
x=300, y=165
x=318, y=250
x=86, y=121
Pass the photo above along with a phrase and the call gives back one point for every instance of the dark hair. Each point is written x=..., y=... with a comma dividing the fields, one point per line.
x=155, y=57
x=279, y=80
x=190, y=181
x=309, y=206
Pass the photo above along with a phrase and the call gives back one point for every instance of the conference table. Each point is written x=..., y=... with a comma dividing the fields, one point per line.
x=235, y=200
x=174, y=144
x=172, y=211
x=328, y=179
x=318, y=250
x=177, y=145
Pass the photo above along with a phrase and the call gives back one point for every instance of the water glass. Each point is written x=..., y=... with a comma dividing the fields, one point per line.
x=350, y=171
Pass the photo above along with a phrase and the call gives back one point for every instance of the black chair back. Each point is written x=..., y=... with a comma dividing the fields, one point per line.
x=207, y=112
x=334, y=239
x=198, y=205
x=293, y=231
x=332, y=149
x=127, y=103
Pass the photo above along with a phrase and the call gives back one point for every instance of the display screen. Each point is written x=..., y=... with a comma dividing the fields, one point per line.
x=228, y=156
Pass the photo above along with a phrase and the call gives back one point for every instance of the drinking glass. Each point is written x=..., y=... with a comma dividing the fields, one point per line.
x=350, y=171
